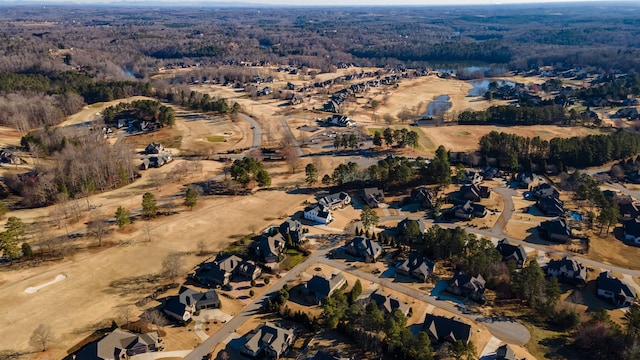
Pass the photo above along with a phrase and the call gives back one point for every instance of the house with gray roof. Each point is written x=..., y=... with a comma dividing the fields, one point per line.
x=373, y=196
x=615, y=290
x=567, y=270
x=362, y=247
x=269, y=247
x=388, y=303
x=442, y=329
x=416, y=266
x=121, y=344
x=505, y=352
x=511, y=252
x=556, y=230
x=335, y=201
x=551, y=206
x=292, y=228
x=469, y=286
x=321, y=287
x=220, y=271
x=269, y=339
x=188, y=301
x=423, y=196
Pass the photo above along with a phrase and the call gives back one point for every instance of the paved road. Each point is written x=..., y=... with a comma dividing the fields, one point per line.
x=257, y=132
x=287, y=129
x=209, y=345
x=506, y=330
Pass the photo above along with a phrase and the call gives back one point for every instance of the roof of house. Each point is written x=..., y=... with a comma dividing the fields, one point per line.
x=268, y=246
x=566, y=264
x=556, y=226
x=121, y=339
x=389, y=303
x=323, y=211
x=322, y=286
x=505, y=352
x=365, y=247
x=333, y=199
x=470, y=207
x=227, y=262
x=508, y=250
x=417, y=263
x=467, y=281
x=441, y=328
x=551, y=205
x=269, y=335
x=632, y=227
x=422, y=194
x=608, y=282
x=373, y=195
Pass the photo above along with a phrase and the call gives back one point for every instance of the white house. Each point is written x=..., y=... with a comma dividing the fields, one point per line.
x=318, y=213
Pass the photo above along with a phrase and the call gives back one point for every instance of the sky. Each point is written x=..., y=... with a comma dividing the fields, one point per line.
x=293, y=2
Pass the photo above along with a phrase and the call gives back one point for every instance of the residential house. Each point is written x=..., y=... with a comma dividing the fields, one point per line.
x=490, y=173
x=8, y=157
x=188, y=301
x=525, y=180
x=615, y=290
x=364, y=248
x=568, y=270
x=473, y=192
x=388, y=303
x=423, y=196
x=335, y=201
x=269, y=247
x=332, y=107
x=473, y=177
x=121, y=344
x=441, y=329
x=544, y=190
x=632, y=231
x=292, y=228
x=153, y=148
x=628, y=211
x=550, y=206
x=373, y=196
x=295, y=99
x=318, y=213
x=321, y=287
x=556, y=230
x=469, y=210
x=223, y=267
x=416, y=266
x=270, y=339
x=341, y=120
x=511, y=252
x=467, y=286
x=321, y=355
x=505, y=352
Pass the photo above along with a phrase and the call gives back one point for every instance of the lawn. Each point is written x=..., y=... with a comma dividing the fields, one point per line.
x=544, y=343
x=293, y=258
x=215, y=138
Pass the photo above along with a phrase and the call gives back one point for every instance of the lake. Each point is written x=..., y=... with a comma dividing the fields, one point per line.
x=438, y=106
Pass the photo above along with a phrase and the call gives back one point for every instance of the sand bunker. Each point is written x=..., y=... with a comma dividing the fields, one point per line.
x=35, y=289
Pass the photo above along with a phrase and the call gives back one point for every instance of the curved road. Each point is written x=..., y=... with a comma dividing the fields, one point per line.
x=257, y=132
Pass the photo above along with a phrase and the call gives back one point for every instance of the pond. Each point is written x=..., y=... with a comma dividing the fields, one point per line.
x=438, y=106
x=480, y=86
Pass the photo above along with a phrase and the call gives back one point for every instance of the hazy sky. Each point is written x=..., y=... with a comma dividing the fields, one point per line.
x=299, y=2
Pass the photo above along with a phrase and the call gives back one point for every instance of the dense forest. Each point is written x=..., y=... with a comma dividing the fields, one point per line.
x=516, y=115
x=579, y=152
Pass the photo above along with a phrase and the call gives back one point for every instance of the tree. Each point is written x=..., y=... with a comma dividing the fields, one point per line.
x=326, y=180
x=122, y=217
x=14, y=227
x=125, y=314
x=632, y=322
x=9, y=245
x=388, y=136
x=202, y=247
x=311, y=173
x=172, y=266
x=149, y=205
x=368, y=217
x=98, y=227
x=190, y=198
x=355, y=292
x=41, y=337
x=377, y=138
x=155, y=317
x=26, y=249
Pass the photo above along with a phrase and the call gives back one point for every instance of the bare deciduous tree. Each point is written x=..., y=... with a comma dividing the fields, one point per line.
x=98, y=228
x=172, y=266
x=147, y=231
x=125, y=314
x=41, y=337
x=155, y=317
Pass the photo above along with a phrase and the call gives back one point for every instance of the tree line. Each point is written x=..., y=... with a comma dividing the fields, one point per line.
x=515, y=115
x=579, y=152
x=147, y=110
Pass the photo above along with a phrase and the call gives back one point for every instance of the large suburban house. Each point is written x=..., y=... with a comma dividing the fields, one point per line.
x=318, y=213
x=269, y=339
x=615, y=290
x=388, y=303
x=568, y=270
x=335, y=201
x=269, y=247
x=441, y=329
x=153, y=148
x=188, y=301
x=511, y=252
x=364, y=248
x=469, y=210
x=292, y=228
x=628, y=211
x=556, y=230
x=320, y=287
x=632, y=231
x=121, y=344
x=373, y=196
x=505, y=352
x=423, y=196
x=467, y=286
x=551, y=206
x=340, y=120
x=416, y=266
x=223, y=267
x=544, y=190
x=473, y=192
